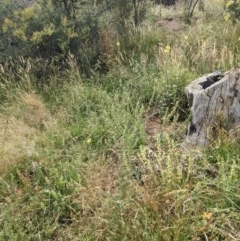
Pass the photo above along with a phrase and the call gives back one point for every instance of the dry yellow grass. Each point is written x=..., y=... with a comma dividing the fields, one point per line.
x=16, y=140
x=20, y=130
x=33, y=111
x=176, y=11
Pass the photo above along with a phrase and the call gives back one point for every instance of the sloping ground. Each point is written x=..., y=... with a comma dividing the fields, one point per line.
x=19, y=131
x=17, y=140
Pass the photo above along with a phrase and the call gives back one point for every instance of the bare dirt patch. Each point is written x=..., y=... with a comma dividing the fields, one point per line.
x=171, y=25
x=153, y=127
x=156, y=127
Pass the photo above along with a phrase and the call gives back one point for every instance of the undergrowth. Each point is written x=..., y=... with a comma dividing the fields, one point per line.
x=76, y=161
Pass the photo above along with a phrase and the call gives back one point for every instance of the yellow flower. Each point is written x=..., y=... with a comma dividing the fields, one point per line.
x=227, y=17
x=207, y=215
x=118, y=43
x=89, y=140
x=47, y=31
x=185, y=37
x=167, y=49
x=20, y=33
x=28, y=12
x=229, y=3
x=37, y=36
x=7, y=24
x=64, y=21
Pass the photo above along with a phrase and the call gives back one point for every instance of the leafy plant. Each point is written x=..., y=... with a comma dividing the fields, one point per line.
x=233, y=10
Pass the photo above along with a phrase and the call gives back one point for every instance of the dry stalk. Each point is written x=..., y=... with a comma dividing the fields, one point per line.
x=4, y=136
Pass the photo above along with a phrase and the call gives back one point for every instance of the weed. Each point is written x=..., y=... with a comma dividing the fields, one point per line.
x=77, y=162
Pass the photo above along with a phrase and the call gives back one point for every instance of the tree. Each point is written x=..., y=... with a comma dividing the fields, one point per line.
x=232, y=8
x=52, y=29
x=190, y=6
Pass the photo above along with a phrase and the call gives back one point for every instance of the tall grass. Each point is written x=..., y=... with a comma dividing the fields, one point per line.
x=79, y=164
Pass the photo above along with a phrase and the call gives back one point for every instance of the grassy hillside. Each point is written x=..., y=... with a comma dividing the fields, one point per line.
x=100, y=157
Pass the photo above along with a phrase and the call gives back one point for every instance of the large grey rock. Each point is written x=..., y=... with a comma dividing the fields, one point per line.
x=215, y=103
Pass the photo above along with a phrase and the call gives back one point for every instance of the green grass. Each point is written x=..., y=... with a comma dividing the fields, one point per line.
x=76, y=161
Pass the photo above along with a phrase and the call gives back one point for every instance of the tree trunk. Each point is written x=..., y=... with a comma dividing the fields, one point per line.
x=215, y=103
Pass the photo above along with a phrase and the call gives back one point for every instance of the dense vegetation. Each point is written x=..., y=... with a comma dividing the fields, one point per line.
x=93, y=116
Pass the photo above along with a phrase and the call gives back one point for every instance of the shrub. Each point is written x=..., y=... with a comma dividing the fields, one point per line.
x=52, y=29
x=233, y=10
